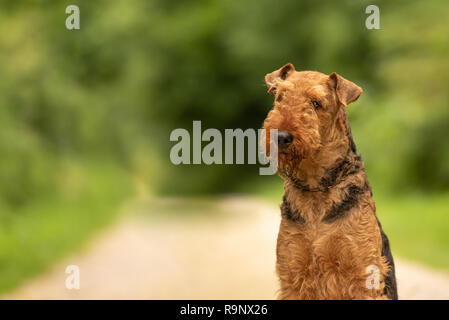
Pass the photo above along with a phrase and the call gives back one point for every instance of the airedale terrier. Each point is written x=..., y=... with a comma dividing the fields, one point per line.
x=330, y=243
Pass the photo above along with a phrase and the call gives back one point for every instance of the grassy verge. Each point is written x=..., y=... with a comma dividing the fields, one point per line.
x=418, y=226
x=36, y=235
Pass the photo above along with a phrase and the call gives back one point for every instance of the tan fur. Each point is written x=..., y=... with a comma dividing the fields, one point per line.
x=317, y=260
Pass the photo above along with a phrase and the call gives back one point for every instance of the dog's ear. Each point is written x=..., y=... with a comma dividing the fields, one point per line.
x=347, y=91
x=271, y=79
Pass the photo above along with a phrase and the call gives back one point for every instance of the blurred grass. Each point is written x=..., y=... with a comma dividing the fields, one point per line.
x=37, y=235
x=417, y=226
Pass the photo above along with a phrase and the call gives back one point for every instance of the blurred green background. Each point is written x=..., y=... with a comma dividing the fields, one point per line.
x=84, y=114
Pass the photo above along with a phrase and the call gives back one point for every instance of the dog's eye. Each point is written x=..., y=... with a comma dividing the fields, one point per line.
x=316, y=104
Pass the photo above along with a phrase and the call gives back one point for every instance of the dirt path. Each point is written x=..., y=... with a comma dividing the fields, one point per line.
x=226, y=257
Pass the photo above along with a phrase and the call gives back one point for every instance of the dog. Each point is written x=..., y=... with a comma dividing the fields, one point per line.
x=330, y=243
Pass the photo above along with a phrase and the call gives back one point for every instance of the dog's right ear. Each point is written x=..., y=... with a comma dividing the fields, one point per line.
x=271, y=79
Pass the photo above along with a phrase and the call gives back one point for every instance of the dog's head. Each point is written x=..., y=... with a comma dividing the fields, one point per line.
x=308, y=112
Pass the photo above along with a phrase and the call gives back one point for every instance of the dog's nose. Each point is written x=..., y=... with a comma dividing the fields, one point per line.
x=284, y=139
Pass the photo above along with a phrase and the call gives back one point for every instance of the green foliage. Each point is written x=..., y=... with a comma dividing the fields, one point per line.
x=410, y=117
x=133, y=73
x=117, y=87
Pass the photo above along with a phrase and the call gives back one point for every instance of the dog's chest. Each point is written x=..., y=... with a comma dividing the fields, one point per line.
x=314, y=249
x=316, y=222
x=306, y=239
x=307, y=211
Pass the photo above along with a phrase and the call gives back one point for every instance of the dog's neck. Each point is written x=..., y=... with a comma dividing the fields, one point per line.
x=330, y=164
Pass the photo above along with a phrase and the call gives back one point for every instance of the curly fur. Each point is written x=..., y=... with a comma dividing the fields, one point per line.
x=329, y=233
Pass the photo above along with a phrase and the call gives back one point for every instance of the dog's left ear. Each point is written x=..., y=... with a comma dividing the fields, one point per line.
x=347, y=91
x=271, y=79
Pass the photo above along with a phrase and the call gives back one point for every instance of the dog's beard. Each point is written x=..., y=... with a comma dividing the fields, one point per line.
x=289, y=162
